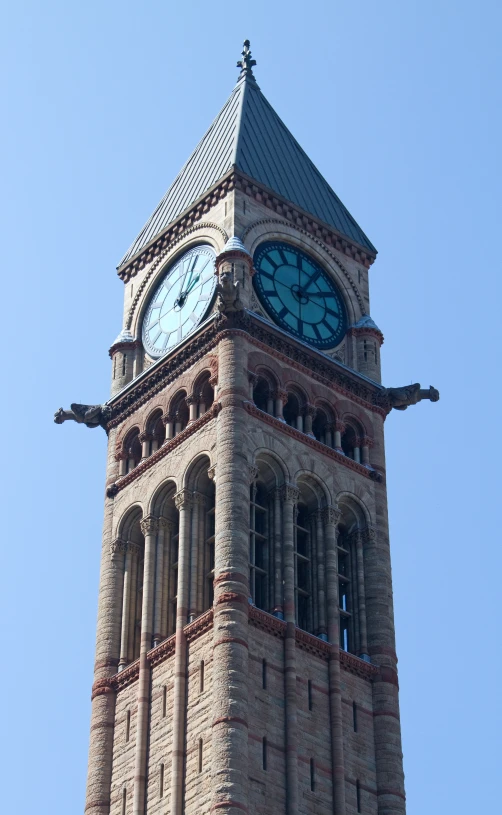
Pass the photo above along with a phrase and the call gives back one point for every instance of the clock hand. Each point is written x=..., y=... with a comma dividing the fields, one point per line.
x=319, y=293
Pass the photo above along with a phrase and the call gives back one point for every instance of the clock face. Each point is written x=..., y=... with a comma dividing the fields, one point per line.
x=299, y=295
x=180, y=301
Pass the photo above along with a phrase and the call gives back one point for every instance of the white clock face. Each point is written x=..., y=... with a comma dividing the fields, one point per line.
x=180, y=301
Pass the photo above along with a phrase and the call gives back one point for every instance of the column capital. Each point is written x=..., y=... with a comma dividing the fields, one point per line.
x=149, y=525
x=167, y=417
x=199, y=498
x=118, y=547
x=253, y=472
x=193, y=400
x=211, y=473
x=281, y=394
x=340, y=426
x=316, y=515
x=368, y=534
x=331, y=516
x=145, y=436
x=366, y=441
x=309, y=410
x=183, y=499
x=290, y=494
x=166, y=523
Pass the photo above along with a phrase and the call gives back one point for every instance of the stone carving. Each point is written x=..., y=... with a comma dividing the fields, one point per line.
x=228, y=293
x=401, y=398
x=90, y=415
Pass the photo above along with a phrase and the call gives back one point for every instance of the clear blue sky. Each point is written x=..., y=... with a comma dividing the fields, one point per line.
x=398, y=104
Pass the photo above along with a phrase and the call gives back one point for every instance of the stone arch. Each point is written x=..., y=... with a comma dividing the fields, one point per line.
x=272, y=467
x=202, y=393
x=129, y=524
x=162, y=501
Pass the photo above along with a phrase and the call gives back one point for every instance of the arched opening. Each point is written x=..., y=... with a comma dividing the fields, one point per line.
x=309, y=546
x=259, y=545
x=322, y=426
x=132, y=450
x=132, y=563
x=201, y=591
x=156, y=431
x=292, y=411
x=265, y=536
x=179, y=413
x=351, y=441
x=166, y=562
x=203, y=394
x=263, y=395
x=351, y=588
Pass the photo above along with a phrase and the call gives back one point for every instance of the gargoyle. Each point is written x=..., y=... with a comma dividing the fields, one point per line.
x=401, y=398
x=90, y=415
x=228, y=293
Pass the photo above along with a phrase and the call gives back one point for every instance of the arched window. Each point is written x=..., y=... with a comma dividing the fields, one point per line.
x=259, y=546
x=130, y=555
x=292, y=411
x=345, y=590
x=204, y=393
x=262, y=395
x=156, y=431
x=350, y=443
x=132, y=450
x=179, y=413
x=323, y=426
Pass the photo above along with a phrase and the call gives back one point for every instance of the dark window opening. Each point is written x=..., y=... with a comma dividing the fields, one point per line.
x=354, y=716
x=264, y=674
x=309, y=693
x=258, y=546
x=264, y=753
x=358, y=796
x=312, y=775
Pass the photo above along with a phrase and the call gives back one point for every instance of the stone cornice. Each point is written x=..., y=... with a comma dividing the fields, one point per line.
x=235, y=179
x=375, y=475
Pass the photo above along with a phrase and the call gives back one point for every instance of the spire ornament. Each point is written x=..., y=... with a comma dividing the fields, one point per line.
x=247, y=62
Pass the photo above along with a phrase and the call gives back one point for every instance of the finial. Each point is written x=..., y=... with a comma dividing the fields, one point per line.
x=247, y=62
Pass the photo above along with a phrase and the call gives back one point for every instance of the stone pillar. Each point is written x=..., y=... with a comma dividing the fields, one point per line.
x=330, y=432
x=149, y=527
x=168, y=532
x=357, y=454
x=252, y=379
x=339, y=429
x=331, y=517
x=192, y=403
x=290, y=497
x=145, y=439
x=230, y=766
x=278, y=599
x=135, y=550
x=366, y=443
x=122, y=464
x=159, y=583
x=309, y=412
x=169, y=423
x=183, y=501
x=322, y=631
x=381, y=648
x=281, y=397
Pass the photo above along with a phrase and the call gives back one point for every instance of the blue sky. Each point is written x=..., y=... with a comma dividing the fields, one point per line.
x=398, y=104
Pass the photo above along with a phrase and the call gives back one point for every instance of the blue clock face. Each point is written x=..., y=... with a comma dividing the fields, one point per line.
x=299, y=295
x=181, y=300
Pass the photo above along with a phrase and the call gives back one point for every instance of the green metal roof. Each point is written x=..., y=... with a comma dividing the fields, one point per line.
x=248, y=135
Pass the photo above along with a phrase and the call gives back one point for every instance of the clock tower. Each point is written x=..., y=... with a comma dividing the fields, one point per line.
x=245, y=655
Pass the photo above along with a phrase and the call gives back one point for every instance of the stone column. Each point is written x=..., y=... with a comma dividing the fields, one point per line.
x=329, y=434
x=309, y=412
x=331, y=517
x=281, y=397
x=366, y=443
x=159, y=583
x=278, y=599
x=183, y=502
x=145, y=439
x=149, y=527
x=381, y=648
x=321, y=576
x=192, y=403
x=339, y=429
x=230, y=766
x=103, y=694
x=135, y=550
x=203, y=506
x=252, y=379
x=290, y=496
x=169, y=423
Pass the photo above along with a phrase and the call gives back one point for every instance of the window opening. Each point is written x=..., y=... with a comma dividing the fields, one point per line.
x=358, y=796
x=264, y=674
x=309, y=693
x=264, y=753
x=201, y=677
x=312, y=775
x=303, y=596
x=200, y=755
x=164, y=702
x=124, y=801
x=128, y=725
x=161, y=781
x=124, y=363
x=258, y=546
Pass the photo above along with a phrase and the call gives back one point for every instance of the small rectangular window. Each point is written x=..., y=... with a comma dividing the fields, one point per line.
x=200, y=755
x=161, y=781
x=124, y=363
x=354, y=716
x=264, y=753
x=201, y=676
x=264, y=674
x=124, y=801
x=312, y=775
x=164, y=702
x=358, y=796
x=128, y=725
x=309, y=692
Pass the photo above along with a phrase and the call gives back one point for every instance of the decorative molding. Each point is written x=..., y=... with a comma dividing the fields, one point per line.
x=331, y=516
x=267, y=622
x=374, y=475
x=102, y=686
x=162, y=652
x=199, y=626
x=127, y=676
x=183, y=499
x=358, y=666
x=118, y=547
x=312, y=644
x=253, y=472
x=289, y=493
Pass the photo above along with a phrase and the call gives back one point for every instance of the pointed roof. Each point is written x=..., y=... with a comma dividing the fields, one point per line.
x=249, y=136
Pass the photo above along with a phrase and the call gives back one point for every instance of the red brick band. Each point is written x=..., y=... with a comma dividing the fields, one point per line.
x=101, y=687
x=388, y=675
x=385, y=713
x=232, y=597
x=228, y=720
x=385, y=791
x=230, y=639
x=94, y=804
